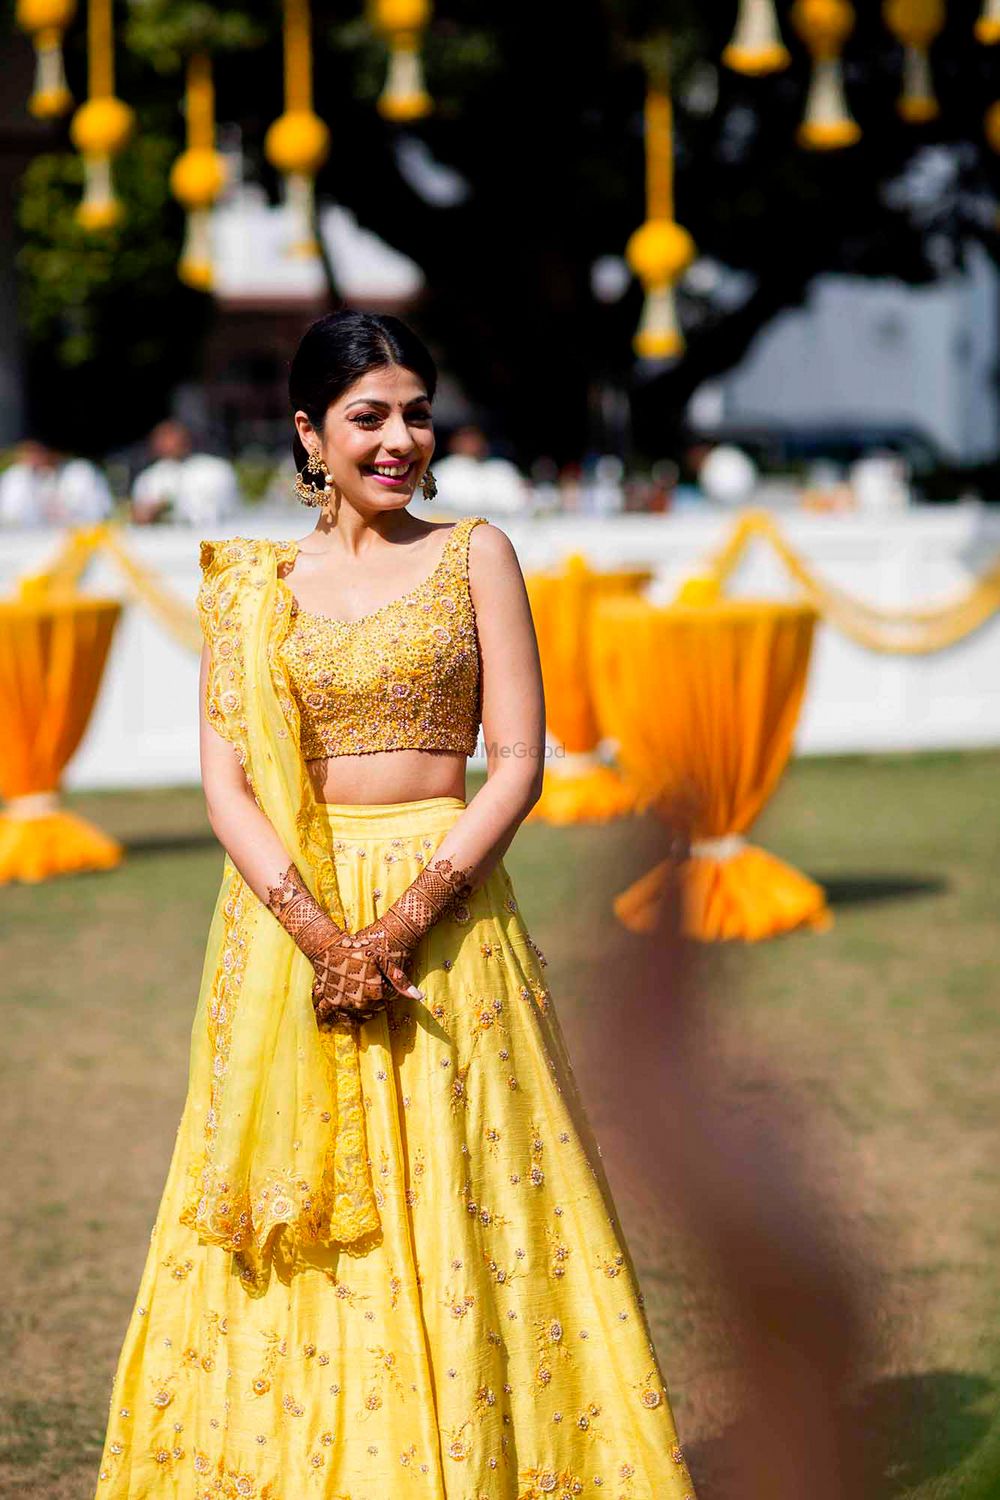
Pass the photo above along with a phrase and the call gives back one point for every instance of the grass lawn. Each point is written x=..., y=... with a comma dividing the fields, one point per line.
x=885, y=1030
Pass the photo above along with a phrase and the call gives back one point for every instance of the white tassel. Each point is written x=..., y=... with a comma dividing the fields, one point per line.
x=756, y=47
x=99, y=208
x=51, y=96
x=405, y=95
x=828, y=124
x=918, y=102
x=195, y=265
x=659, y=335
x=300, y=197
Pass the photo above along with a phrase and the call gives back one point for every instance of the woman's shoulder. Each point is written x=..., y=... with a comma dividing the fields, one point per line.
x=487, y=541
x=234, y=551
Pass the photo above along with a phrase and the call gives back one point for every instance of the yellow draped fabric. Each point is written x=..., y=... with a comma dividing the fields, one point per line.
x=577, y=788
x=703, y=701
x=79, y=545
x=282, y=1163
x=899, y=632
x=52, y=656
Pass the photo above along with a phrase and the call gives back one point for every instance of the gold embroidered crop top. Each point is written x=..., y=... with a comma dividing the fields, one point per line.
x=405, y=677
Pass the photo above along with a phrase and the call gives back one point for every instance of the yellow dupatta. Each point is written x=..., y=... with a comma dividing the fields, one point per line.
x=282, y=1155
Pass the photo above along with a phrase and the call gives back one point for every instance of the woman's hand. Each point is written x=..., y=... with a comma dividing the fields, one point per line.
x=393, y=938
x=348, y=983
x=391, y=951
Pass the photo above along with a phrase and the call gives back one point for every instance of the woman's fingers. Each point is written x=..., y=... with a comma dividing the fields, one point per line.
x=360, y=998
x=328, y=1014
x=400, y=981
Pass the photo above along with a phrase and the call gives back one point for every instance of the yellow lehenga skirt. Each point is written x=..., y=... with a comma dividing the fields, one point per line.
x=491, y=1345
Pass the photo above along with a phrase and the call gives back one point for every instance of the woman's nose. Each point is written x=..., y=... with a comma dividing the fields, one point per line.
x=396, y=434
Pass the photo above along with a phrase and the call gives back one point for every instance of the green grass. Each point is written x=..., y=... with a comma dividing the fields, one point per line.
x=883, y=1034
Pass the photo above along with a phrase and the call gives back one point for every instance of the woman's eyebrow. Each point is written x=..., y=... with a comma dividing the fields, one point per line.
x=385, y=405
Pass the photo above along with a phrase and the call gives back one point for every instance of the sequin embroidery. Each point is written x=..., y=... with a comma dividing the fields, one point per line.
x=404, y=677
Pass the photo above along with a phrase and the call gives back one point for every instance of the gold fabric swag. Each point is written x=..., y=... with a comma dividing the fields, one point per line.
x=283, y=1164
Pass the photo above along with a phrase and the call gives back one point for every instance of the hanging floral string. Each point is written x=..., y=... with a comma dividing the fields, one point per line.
x=46, y=22
x=756, y=47
x=916, y=24
x=298, y=142
x=660, y=250
x=101, y=128
x=199, y=174
x=824, y=26
x=402, y=23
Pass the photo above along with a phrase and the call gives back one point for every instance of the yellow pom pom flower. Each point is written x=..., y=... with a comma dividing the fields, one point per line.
x=102, y=127
x=824, y=25
x=659, y=251
x=988, y=25
x=197, y=177
x=297, y=143
x=45, y=15
x=402, y=15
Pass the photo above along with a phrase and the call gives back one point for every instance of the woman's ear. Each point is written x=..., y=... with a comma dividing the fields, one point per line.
x=304, y=428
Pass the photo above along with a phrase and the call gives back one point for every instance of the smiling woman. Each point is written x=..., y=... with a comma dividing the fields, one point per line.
x=362, y=389
x=386, y=1261
x=350, y=373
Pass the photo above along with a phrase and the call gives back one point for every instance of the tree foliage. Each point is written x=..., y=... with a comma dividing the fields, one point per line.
x=110, y=329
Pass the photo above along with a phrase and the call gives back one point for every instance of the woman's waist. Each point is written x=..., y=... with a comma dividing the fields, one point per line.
x=395, y=777
x=384, y=820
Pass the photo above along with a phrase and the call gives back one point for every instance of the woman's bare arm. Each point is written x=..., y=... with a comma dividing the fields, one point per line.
x=513, y=709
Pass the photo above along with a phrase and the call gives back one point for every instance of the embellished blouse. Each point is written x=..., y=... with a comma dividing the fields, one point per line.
x=406, y=676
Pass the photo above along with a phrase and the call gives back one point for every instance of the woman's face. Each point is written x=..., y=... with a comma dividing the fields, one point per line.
x=377, y=439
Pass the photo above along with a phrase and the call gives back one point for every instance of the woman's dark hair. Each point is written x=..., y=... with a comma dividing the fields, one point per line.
x=337, y=350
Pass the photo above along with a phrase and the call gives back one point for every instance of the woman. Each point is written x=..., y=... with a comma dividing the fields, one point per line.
x=385, y=1263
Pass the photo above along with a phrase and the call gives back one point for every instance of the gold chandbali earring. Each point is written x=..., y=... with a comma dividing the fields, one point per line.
x=429, y=485
x=307, y=490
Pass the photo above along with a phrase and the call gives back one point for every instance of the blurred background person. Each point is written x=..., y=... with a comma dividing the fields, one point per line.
x=43, y=487
x=469, y=478
x=198, y=489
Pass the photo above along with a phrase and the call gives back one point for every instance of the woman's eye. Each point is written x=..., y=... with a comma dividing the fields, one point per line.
x=367, y=419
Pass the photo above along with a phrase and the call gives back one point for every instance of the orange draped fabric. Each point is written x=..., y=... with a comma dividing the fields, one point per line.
x=703, y=701
x=577, y=787
x=52, y=656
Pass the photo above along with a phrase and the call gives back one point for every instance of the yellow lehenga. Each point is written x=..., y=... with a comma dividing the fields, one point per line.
x=430, y=1296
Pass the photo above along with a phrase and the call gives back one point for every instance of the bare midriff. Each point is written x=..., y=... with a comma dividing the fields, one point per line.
x=389, y=776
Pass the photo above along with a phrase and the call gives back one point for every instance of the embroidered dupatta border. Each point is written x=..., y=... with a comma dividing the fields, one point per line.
x=241, y=581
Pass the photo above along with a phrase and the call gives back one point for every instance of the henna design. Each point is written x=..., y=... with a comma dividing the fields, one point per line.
x=348, y=983
x=393, y=938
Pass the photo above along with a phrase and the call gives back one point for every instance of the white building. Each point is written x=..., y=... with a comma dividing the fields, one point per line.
x=873, y=355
